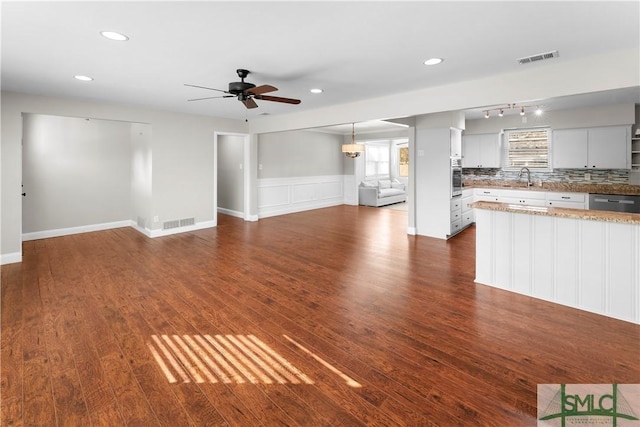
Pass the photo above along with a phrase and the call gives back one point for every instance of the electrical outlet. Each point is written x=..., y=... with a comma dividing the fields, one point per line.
x=156, y=218
x=587, y=176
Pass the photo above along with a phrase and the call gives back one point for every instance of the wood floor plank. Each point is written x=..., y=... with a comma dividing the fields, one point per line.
x=342, y=294
x=11, y=368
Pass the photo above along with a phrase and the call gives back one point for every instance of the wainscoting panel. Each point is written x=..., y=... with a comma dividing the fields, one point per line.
x=279, y=196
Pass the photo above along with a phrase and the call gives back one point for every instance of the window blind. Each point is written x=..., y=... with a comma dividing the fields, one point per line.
x=527, y=148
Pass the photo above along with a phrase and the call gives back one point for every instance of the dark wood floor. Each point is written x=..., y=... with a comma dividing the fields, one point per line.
x=322, y=318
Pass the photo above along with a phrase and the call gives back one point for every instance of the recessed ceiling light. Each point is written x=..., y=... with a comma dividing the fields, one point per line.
x=83, y=78
x=316, y=90
x=112, y=35
x=433, y=61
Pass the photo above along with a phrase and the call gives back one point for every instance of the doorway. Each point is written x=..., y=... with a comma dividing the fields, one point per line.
x=232, y=179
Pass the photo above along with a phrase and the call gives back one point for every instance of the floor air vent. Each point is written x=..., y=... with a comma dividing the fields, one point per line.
x=538, y=57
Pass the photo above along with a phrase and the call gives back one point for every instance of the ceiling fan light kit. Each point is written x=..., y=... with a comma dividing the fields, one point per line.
x=247, y=92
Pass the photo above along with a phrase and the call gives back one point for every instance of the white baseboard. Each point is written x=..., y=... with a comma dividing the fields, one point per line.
x=412, y=231
x=10, y=258
x=74, y=230
x=230, y=212
x=142, y=230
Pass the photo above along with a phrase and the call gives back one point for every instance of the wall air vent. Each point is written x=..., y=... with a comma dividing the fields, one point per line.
x=170, y=224
x=187, y=221
x=176, y=223
x=538, y=57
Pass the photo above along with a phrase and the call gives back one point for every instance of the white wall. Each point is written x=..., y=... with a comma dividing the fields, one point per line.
x=182, y=153
x=76, y=172
x=298, y=154
x=141, y=174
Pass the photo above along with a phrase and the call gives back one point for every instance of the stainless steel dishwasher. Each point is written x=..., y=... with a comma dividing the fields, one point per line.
x=614, y=202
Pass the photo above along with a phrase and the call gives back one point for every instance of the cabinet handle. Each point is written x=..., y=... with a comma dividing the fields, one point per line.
x=566, y=197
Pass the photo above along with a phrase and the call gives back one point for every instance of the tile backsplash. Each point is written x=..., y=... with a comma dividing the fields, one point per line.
x=576, y=176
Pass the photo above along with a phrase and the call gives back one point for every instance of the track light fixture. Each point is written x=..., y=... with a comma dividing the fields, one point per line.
x=523, y=108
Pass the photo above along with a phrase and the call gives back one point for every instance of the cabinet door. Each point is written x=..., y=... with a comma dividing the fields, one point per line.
x=456, y=143
x=570, y=148
x=608, y=148
x=471, y=151
x=489, y=151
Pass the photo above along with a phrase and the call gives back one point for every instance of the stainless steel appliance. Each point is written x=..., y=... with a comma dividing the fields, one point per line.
x=614, y=202
x=456, y=176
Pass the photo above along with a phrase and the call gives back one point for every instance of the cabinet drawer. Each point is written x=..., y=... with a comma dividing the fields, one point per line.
x=466, y=201
x=569, y=205
x=567, y=197
x=456, y=226
x=487, y=199
x=456, y=204
x=523, y=201
x=456, y=215
x=524, y=194
x=467, y=219
x=484, y=192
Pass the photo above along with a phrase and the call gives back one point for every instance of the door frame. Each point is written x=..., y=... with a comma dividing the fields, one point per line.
x=246, y=162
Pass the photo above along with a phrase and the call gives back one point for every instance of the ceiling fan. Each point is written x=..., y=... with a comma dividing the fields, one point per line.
x=247, y=92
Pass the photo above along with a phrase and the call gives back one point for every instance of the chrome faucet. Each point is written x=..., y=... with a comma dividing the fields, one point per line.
x=529, y=183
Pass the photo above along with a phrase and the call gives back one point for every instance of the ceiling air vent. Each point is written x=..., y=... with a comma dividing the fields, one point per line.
x=538, y=57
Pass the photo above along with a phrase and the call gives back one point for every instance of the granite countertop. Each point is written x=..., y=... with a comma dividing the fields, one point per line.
x=619, y=217
x=626, y=189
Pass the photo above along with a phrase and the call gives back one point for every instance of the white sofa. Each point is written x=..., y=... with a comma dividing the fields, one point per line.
x=382, y=192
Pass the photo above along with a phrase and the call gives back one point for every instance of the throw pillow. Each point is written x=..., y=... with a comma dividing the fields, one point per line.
x=384, y=183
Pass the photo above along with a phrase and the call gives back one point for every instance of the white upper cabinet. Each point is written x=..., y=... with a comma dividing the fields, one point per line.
x=591, y=148
x=456, y=143
x=481, y=151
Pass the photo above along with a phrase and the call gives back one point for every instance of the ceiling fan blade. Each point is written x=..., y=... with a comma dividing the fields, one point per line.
x=211, y=97
x=250, y=103
x=261, y=89
x=204, y=87
x=278, y=99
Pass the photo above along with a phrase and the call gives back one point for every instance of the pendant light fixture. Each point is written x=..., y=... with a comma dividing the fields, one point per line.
x=352, y=150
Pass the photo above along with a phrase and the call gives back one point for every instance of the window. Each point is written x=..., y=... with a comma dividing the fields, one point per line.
x=376, y=156
x=526, y=148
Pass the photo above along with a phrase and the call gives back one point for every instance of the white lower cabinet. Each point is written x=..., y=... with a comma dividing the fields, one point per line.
x=467, y=212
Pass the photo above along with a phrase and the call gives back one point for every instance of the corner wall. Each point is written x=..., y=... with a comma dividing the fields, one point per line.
x=183, y=160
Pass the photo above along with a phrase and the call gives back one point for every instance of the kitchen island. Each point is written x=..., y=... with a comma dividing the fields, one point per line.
x=580, y=258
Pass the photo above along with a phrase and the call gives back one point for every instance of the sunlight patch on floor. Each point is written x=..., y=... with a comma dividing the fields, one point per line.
x=222, y=359
x=350, y=381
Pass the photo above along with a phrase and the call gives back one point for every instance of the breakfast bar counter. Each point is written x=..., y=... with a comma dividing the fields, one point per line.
x=580, y=258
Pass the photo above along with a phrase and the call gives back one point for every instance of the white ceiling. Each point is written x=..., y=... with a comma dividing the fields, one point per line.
x=352, y=50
